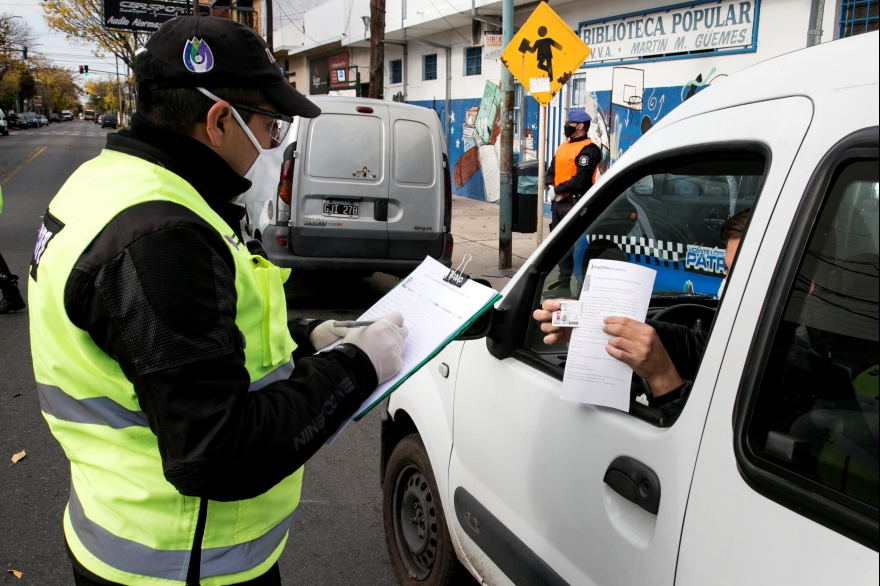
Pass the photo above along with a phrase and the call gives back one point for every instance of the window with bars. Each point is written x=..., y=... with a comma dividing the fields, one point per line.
x=473, y=61
x=858, y=16
x=397, y=71
x=430, y=67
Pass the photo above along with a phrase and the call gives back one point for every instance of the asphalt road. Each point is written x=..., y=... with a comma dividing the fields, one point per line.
x=337, y=535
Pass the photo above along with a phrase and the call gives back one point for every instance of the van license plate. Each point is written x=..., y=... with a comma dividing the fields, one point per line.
x=340, y=209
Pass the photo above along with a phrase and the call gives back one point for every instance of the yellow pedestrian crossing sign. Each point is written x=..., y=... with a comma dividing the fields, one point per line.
x=544, y=54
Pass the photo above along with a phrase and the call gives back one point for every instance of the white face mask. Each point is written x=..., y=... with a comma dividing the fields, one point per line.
x=721, y=288
x=265, y=171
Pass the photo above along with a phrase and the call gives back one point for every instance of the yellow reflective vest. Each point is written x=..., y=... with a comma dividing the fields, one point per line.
x=124, y=522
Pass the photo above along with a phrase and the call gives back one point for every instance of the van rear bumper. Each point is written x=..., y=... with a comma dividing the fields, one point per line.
x=282, y=256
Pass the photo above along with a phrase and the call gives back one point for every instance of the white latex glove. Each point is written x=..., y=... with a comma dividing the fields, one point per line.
x=325, y=334
x=383, y=344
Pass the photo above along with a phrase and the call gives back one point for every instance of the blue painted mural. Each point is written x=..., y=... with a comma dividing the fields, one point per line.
x=474, y=148
x=473, y=144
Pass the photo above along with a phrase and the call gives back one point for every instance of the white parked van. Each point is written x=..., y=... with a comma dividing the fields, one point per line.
x=769, y=473
x=365, y=187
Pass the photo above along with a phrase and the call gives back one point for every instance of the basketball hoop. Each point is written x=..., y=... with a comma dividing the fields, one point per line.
x=634, y=101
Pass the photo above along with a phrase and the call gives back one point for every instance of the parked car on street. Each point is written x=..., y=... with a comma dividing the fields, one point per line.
x=108, y=121
x=378, y=200
x=43, y=120
x=4, y=124
x=66, y=115
x=54, y=117
x=771, y=458
x=33, y=119
x=17, y=121
x=99, y=119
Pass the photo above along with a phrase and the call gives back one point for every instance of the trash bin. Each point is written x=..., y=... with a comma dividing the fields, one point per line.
x=525, y=197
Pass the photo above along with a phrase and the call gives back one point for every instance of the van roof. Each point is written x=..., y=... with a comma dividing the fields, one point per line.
x=816, y=72
x=323, y=101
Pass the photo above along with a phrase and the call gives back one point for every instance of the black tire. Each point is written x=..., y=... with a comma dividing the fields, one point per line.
x=419, y=546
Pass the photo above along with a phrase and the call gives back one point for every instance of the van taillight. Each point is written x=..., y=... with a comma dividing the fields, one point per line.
x=285, y=182
x=447, y=195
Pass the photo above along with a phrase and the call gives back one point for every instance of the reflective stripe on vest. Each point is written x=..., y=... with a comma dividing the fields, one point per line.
x=135, y=558
x=126, y=523
x=565, y=160
x=106, y=411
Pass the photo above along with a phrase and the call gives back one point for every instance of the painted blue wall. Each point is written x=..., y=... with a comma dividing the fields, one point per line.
x=625, y=126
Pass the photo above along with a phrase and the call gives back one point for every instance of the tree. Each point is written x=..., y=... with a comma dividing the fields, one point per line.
x=59, y=88
x=80, y=21
x=14, y=34
x=103, y=95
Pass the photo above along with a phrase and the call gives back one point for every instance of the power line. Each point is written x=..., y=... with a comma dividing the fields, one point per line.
x=468, y=41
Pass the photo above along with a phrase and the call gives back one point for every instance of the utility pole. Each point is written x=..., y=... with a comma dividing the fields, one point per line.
x=119, y=94
x=377, y=48
x=505, y=216
x=270, y=26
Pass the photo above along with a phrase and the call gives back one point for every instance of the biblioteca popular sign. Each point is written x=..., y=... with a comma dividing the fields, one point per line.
x=672, y=31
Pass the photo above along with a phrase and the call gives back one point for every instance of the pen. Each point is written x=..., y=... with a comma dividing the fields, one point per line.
x=352, y=324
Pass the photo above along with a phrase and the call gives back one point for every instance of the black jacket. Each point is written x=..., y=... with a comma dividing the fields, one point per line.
x=156, y=291
x=685, y=347
x=588, y=158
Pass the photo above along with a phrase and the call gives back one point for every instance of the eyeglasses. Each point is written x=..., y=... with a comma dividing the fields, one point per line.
x=279, y=128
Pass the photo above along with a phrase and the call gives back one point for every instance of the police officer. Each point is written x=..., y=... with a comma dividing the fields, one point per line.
x=161, y=348
x=573, y=170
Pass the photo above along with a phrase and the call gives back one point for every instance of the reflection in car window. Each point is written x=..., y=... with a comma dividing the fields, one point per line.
x=667, y=220
x=816, y=413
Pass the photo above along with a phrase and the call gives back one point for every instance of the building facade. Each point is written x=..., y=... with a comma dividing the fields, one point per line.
x=648, y=56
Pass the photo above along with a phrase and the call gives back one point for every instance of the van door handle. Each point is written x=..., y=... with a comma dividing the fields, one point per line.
x=380, y=210
x=635, y=482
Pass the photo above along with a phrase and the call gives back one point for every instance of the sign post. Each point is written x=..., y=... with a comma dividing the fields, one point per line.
x=543, y=56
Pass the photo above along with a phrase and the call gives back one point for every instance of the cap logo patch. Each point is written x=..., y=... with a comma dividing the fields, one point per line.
x=197, y=56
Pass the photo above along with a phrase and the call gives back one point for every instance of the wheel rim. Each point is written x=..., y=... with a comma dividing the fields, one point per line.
x=415, y=522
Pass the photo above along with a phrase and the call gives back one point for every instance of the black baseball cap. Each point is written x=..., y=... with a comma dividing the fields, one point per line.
x=210, y=52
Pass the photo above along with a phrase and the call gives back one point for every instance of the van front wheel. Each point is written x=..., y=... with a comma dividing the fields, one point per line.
x=416, y=534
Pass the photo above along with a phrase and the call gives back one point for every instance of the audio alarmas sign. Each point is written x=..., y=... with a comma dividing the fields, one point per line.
x=673, y=32
x=144, y=16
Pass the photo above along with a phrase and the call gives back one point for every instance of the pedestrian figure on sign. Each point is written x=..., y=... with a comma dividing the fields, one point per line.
x=544, y=48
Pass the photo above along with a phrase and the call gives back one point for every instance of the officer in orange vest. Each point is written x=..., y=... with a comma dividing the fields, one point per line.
x=573, y=170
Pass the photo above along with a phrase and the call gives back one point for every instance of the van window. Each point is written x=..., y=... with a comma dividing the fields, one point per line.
x=667, y=220
x=413, y=153
x=342, y=146
x=816, y=412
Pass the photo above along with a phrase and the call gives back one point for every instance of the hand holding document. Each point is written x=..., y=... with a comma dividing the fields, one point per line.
x=434, y=313
x=611, y=288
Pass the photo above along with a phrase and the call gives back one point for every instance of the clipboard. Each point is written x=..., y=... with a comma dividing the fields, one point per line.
x=437, y=304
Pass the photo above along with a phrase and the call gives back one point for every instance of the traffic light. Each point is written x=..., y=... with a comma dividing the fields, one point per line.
x=87, y=70
x=24, y=52
x=81, y=69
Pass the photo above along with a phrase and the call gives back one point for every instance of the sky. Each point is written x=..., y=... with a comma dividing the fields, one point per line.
x=54, y=45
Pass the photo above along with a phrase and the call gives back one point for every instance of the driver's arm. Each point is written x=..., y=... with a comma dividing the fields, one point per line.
x=656, y=351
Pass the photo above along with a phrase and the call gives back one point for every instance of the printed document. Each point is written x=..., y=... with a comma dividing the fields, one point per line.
x=611, y=288
x=434, y=313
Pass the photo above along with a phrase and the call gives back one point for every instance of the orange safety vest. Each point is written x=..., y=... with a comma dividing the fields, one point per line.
x=565, y=163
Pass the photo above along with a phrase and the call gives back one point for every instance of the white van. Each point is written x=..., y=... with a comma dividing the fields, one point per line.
x=769, y=473
x=365, y=187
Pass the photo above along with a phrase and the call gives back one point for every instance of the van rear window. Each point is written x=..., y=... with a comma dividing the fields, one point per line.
x=343, y=146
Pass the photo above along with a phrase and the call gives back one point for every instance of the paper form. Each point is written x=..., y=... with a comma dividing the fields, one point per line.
x=611, y=288
x=433, y=311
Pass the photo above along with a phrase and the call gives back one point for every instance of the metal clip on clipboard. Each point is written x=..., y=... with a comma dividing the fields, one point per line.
x=457, y=276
